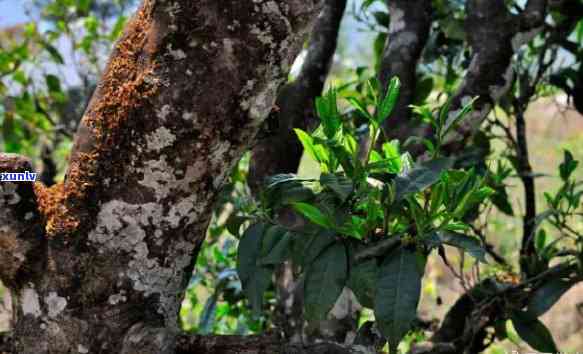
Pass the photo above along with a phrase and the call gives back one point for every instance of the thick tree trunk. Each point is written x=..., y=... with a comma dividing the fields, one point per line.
x=102, y=264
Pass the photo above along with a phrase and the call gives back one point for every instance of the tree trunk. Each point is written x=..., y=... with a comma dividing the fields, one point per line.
x=99, y=263
x=408, y=34
x=281, y=152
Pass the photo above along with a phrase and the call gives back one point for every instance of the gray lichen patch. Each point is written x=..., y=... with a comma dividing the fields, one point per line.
x=30, y=302
x=159, y=139
x=8, y=194
x=121, y=228
x=161, y=177
x=55, y=304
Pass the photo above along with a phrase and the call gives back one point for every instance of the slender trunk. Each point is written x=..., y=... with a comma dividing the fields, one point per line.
x=408, y=33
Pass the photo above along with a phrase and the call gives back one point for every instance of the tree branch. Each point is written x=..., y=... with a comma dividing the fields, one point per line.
x=494, y=34
x=262, y=344
x=281, y=152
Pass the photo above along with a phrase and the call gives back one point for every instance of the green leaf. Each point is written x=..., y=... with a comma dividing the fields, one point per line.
x=501, y=200
x=421, y=177
x=271, y=237
x=363, y=282
x=397, y=295
x=360, y=107
x=325, y=279
x=307, y=250
x=234, y=223
x=54, y=53
x=547, y=295
x=327, y=109
x=388, y=103
x=118, y=27
x=313, y=214
x=568, y=165
x=285, y=189
x=455, y=117
x=340, y=185
x=309, y=146
x=533, y=332
x=279, y=252
x=254, y=279
x=469, y=244
x=53, y=83
x=391, y=152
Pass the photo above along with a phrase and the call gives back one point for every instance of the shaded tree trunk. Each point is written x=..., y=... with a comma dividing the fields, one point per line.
x=99, y=263
x=281, y=152
x=408, y=33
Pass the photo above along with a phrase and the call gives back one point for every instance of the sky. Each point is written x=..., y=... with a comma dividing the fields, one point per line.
x=12, y=12
x=355, y=44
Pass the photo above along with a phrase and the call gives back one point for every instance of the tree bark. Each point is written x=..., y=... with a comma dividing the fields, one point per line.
x=281, y=152
x=494, y=35
x=184, y=94
x=260, y=344
x=410, y=22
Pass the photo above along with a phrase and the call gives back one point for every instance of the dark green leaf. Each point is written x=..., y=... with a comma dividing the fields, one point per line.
x=280, y=251
x=53, y=83
x=316, y=245
x=546, y=296
x=397, y=295
x=54, y=53
x=341, y=185
x=234, y=223
x=533, y=332
x=567, y=166
x=501, y=200
x=271, y=237
x=363, y=282
x=469, y=244
x=325, y=279
x=421, y=177
x=254, y=279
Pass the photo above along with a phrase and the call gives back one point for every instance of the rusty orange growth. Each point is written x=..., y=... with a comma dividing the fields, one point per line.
x=122, y=90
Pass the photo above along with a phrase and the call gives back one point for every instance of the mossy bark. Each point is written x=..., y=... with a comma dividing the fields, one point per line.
x=104, y=258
